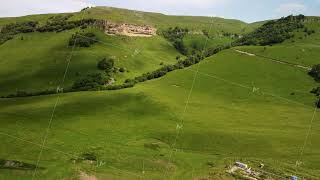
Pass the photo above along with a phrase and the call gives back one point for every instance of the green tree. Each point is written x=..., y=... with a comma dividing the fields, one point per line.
x=106, y=64
x=315, y=72
x=90, y=81
x=122, y=69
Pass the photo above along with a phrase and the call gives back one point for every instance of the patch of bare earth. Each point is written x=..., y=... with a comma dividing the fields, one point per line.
x=85, y=176
x=165, y=165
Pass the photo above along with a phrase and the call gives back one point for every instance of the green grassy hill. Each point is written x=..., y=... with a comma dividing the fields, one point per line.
x=45, y=62
x=132, y=130
x=239, y=107
x=161, y=21
x=301, y=49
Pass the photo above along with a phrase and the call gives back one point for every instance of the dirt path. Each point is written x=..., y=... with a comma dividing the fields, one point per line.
x=243, y=52
x=307, y=68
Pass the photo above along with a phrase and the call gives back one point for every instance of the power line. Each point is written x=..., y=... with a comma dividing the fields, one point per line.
x=55, y=105
x=178, y=129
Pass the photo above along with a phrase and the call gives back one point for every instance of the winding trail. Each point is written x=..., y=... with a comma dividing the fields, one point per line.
x=307, y=68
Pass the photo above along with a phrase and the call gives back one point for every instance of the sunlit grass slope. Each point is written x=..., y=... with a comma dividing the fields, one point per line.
x=241, y=108
x=161, y=21
x=164, y=21
x=39, y=60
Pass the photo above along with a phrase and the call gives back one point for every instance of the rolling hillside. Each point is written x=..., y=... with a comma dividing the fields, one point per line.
x=193, y=122
x=132, y=130
x=302, y=49
x=156, y=19
x=45, y=62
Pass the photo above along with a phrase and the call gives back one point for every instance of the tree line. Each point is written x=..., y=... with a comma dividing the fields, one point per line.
x=97, y=81
x=175, y=36
x=54, y=24
x=273, y=32
x=81, y=39
x=315, y=73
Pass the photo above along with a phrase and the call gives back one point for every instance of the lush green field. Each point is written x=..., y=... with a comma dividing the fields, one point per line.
x=225, y=121
x=42, y=57
x=240, y=107
x=42, y=66
x=198, y=42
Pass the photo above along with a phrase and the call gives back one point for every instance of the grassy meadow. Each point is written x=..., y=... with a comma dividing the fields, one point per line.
x=46, y=61
x=225, y=121
x=240, y=107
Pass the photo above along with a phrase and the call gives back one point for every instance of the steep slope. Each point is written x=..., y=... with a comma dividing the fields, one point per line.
x=44, y=55
x=38, y=61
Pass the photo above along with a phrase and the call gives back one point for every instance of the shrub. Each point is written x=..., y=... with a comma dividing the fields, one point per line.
x=90, y=81
x=318, y=103
x=315, y=72
x=106, y=64
x=60, y=23
x=22, y=27
x=315, y=91
x=8, y=31
x=122, y=70
x=176, y=35
x=206, y=33
x=178, y=44
x=89, y=156
x=82, y=39
x=85, y=9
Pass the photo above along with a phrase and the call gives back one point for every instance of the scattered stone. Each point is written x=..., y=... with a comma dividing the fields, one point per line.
x=11, y=164
x=125, y=29
x=210, y=164
x=85, y=176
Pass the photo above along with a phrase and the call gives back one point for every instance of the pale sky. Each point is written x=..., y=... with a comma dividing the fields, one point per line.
x=245, y=10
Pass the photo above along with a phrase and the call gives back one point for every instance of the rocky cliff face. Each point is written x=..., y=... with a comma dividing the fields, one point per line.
x=127, y=29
